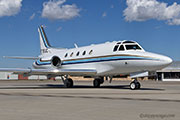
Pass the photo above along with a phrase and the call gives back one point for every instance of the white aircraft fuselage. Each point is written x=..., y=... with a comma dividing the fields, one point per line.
x=104, y=59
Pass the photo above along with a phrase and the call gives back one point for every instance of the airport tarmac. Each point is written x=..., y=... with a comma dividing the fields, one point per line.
x=48, y=100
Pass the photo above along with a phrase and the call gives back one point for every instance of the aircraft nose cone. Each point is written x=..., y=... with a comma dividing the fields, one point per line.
x=159, y=62
x=166, y=60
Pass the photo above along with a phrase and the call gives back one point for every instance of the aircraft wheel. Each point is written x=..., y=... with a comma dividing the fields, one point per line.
x=135, y=85
x=132, y=85
x=97, y=83
x=68, y=83
x=138, y=85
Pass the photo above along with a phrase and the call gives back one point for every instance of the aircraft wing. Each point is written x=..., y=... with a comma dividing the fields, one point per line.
x=57, y=72
x=20, y=57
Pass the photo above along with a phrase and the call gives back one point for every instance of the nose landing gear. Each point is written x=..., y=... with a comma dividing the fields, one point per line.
x=135, y=85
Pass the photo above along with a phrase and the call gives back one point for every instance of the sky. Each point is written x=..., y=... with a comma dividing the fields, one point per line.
x=154, y=24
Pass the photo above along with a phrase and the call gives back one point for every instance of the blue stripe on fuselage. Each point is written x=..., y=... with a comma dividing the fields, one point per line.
x=38, y=62
x=103, y=59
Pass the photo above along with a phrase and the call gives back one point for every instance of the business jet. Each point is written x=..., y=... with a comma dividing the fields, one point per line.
x=99, y=61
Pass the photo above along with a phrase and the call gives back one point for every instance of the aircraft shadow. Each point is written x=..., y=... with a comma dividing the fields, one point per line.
x=102, y=87
x=53, y=86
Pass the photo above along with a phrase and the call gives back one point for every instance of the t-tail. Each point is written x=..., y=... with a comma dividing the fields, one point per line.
x=44, y=46
x=44, y=43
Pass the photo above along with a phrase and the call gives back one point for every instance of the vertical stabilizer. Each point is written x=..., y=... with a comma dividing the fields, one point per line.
x=44, y=43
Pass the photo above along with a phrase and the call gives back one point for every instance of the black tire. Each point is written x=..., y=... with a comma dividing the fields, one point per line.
x=138, y=85
x=132, y=85
x=135, y=85
x=68, y=83
x=101, y=81
x=97, y=83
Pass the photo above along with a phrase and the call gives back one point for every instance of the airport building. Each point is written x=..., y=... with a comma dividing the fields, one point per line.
x=10, y=76
x=170, y=73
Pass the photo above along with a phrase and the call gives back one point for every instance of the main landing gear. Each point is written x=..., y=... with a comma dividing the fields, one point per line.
x=68, y=82
x=135, y=85
x=97, y=82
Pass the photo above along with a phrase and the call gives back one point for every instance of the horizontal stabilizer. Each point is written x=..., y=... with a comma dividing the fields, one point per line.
x=56, y=72
x=19, y=57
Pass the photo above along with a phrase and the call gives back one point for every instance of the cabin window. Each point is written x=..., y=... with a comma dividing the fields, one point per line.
x=132, y=47
x=71, y=54
x=121, y=48
x=77, y=53
x=66, y=55
x=84, y=53
x=90, y=52
x=119, y=43
x=128, y=42
x=116, y=48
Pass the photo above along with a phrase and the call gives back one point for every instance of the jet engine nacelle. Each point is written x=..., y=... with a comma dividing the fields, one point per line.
x=56, y=61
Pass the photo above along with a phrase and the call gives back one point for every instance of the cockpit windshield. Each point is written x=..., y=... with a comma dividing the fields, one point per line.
x=127, y=45
x=128, y=41
x=132, y=47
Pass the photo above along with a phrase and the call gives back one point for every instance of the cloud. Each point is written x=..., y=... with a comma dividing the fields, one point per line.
x=104, y=14
x=56, y=10
x=10, y=7
x=112, y=6
x=59, y=29
x=32, y=16
x=142, y=10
